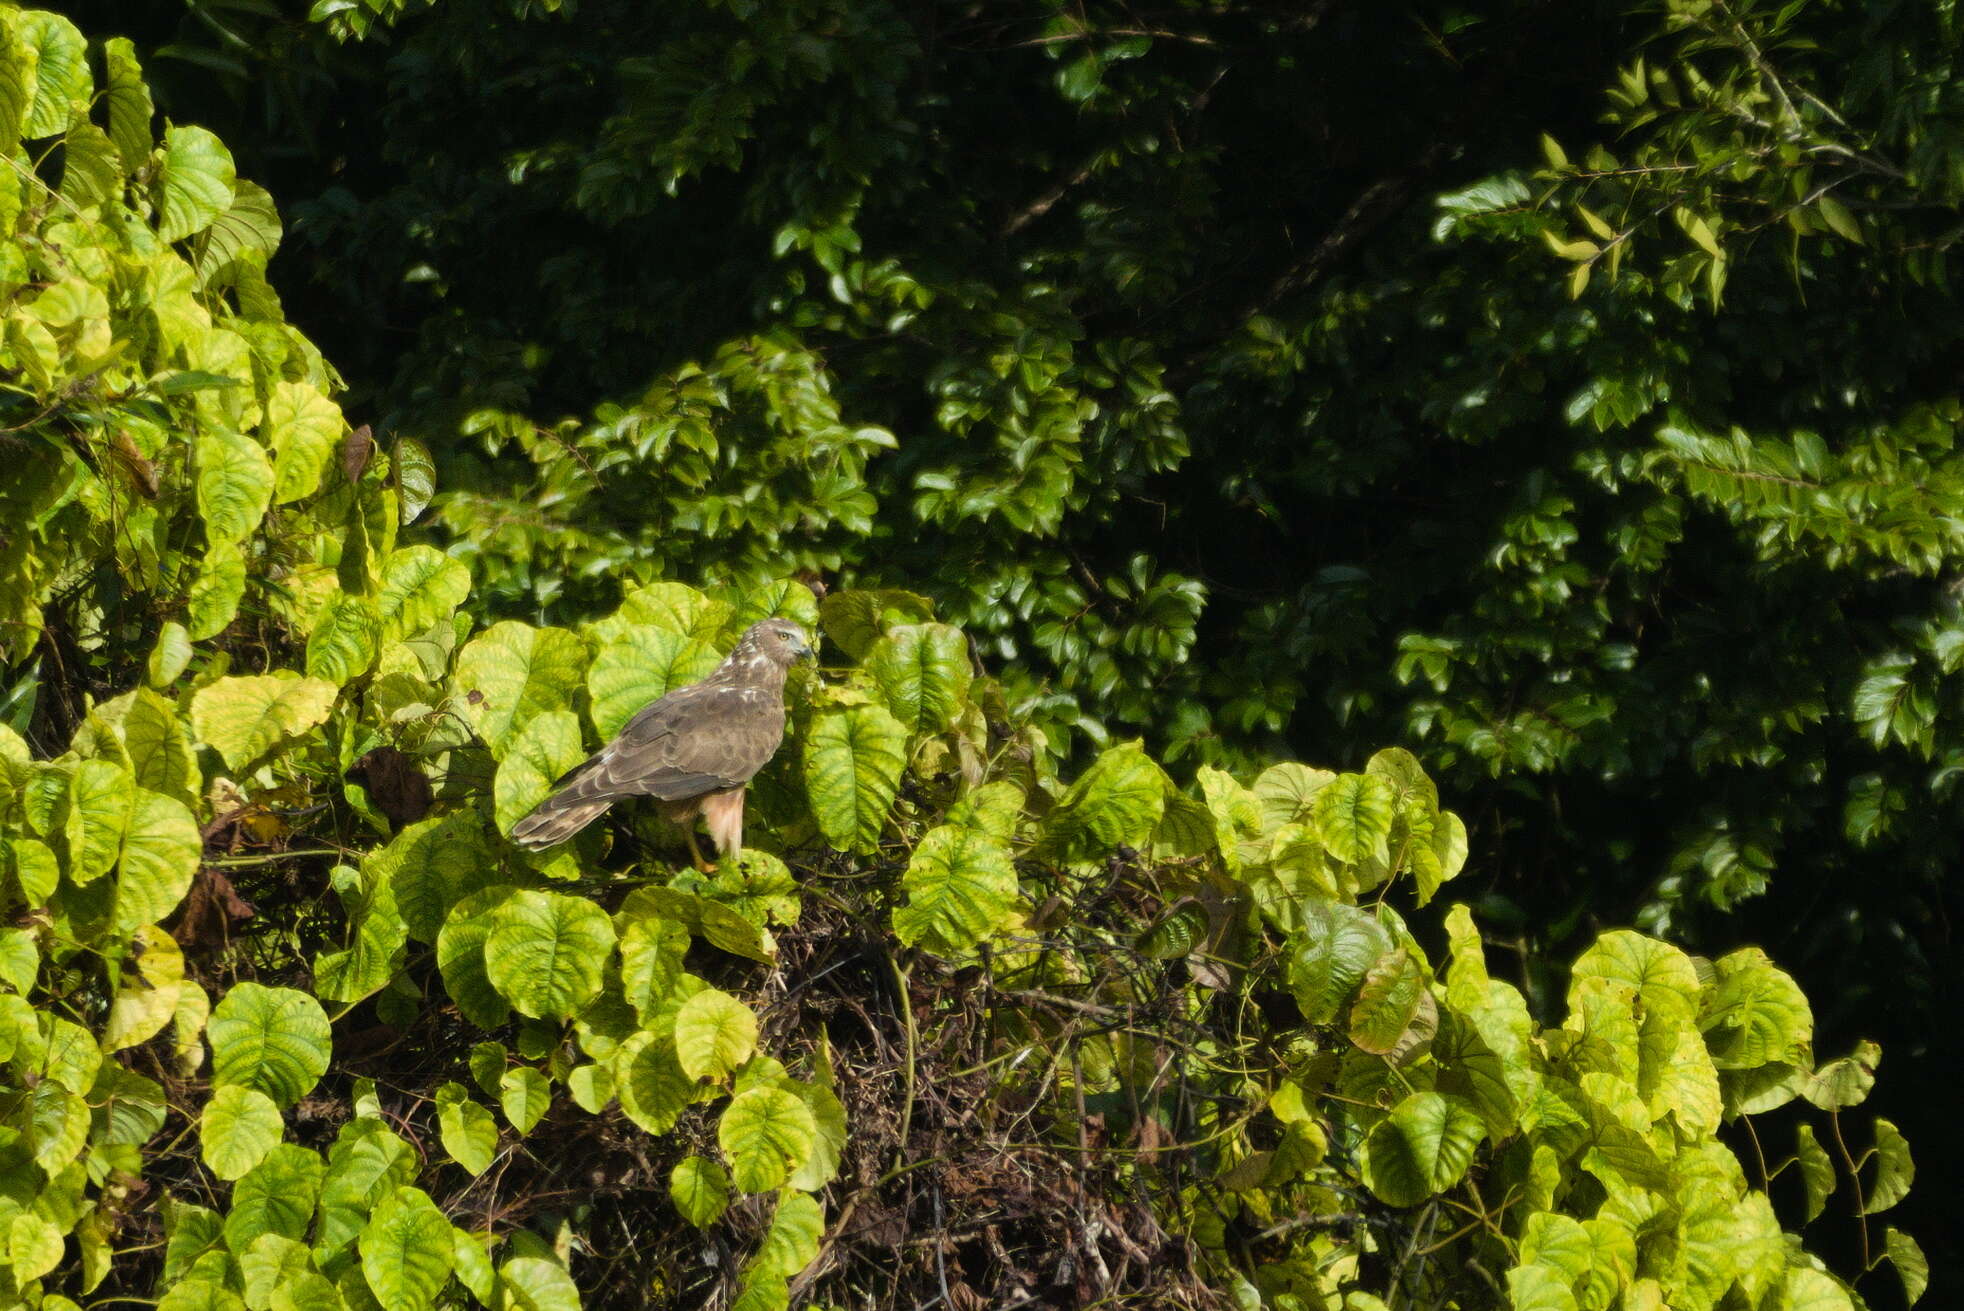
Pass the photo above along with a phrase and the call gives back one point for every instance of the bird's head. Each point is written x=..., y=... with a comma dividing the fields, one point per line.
x=779, y=641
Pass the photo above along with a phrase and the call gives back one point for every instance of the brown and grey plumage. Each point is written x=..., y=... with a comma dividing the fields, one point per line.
x=693, y=750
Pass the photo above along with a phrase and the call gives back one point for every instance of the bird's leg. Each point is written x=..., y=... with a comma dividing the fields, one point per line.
x=695, y=852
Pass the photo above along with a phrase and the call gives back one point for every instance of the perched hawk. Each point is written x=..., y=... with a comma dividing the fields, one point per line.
x=693, y=750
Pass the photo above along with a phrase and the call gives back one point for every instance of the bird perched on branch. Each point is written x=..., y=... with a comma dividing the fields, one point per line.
x=693, y=750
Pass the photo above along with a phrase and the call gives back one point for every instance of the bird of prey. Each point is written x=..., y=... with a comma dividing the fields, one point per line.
x=693, y=750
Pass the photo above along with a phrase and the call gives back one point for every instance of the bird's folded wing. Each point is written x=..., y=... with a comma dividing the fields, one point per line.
x=697, y=739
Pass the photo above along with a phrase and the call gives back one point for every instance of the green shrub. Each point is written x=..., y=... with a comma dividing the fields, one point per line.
x=287, y=1023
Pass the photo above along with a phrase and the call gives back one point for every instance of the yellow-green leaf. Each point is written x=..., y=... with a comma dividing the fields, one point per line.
x=524, y=1095
x=922, y=671
x=1117, y=802
x=194, y=186
x=1894, y=1169
x=302, y=429
x=1817, y=1174
x=235, y=485
x=239, y=1126
x=1911, y=1265
x=1353, y=815
x=468, y=1132
x=161, y=847
x=406, y=1251
x=130, y=109
x=854, y=756
x=419, y=586
x=766, y=1133
x=61, y=74
x=512, y=672
x=346, y=639
x=714, y=1033
x=273, y=1039
x=1421, y=1149
x=535, y=758
x=700, y=1189
x=545, y=952
x=640, y=665
x=246, y=717
x=961, y=889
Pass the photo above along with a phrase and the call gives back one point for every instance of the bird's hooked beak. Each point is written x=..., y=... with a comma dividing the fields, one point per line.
x=805, y=650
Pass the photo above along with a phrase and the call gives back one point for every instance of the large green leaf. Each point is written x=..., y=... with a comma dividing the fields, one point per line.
x=714, y=1033
x=674, y=607
x=269, y=1261
x=854, y=756
x=239, y=1126
x=273, y=1039
x=1654, y=969
x=17, y=60
x=1817, y=1173
x=460, y=956
x=782, y=598
x=1387, y=1002
x=32, y=1246
x=406, y=1251
x=247, y=717
x=199, y=1295
x=640, y=665
x=100, y=793
x=130, y=108
x=374, y=951
x=366, y=1164
x=535, y=758
x=766, y=1133
x=468, y=1131
x=1117, y=802
x=530, y=1283
x=1755, y=1014
x=719, y=925
x=1894, y=1170
x=1421, y=1149
x=61, y=72
x=432, y=865
x=235, y=485
x=247, y=232
x=512, y=672
x=652, y=948
x=700, y=1189
x=194, y=186
x=1845, y=1081
x=855, y=619
x=961, y=889
x=302, y=428
x=161, y=846
x=415, y=476
x=545, y=952
x=1338, y=944
x=821, y=1166
x=276, y=1197
x=922, y=671
x=346, y=639
x=159, y=746
x=420, y=585
x=214, y=595
x=791, y=1243
x=1353, y=814
x=652, y=1085
x=1287, y=792
x=1911, y=1265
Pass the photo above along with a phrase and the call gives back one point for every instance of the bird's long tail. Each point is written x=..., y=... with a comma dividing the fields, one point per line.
x=558, y=818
